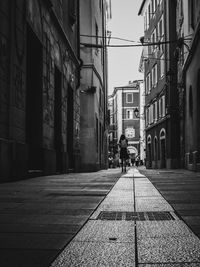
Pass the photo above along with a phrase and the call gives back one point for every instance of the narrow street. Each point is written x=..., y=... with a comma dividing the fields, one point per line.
x=105, y=218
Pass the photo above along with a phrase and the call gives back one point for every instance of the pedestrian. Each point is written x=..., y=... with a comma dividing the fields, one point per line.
x=137, y=161
x=123, y=144
x=110, y=161
x=133, y=161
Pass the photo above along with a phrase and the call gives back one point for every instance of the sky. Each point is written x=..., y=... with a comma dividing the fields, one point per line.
x=123, y=63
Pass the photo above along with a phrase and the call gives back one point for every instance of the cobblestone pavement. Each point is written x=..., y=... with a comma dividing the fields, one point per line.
x=133, y=226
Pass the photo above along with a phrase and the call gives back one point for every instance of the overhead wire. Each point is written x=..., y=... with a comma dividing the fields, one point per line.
x=109, y=37
x=127, y=45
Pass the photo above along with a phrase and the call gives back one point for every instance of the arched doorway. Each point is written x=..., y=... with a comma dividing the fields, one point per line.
x=149, y=152
x=163, y=148
x=156, y=151
x=132, y=150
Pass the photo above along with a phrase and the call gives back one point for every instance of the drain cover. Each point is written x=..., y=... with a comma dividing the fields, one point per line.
x=134, y=216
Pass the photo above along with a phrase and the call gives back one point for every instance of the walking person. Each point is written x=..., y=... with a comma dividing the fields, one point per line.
x=123, y=143
x=137, y=161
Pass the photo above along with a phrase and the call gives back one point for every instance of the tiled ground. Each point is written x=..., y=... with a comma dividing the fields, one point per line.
x=131, y=243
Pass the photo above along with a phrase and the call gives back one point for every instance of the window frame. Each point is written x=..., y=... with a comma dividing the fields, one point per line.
x=128, y=102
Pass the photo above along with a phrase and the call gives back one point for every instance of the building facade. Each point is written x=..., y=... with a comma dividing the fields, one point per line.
x=123, y=103
x=39, y=78
x=161, y=101
x=93, y=84
x=188, y=52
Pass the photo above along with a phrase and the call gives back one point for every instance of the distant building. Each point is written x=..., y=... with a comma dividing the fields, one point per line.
x=188, y=54
x=160, y=68
x=93, y=84
x=124, y=105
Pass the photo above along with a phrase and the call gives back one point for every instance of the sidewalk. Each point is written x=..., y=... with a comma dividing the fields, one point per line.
x=133, y=226
x=181, y=188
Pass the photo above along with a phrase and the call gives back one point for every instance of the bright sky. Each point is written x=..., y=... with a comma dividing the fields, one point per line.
x=123, y=63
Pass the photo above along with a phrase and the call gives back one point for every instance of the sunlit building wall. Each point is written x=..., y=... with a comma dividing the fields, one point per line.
x=159, y=67
x=93, y=83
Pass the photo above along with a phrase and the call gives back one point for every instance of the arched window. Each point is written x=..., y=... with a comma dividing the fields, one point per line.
x=162, y=134
x=149, y=139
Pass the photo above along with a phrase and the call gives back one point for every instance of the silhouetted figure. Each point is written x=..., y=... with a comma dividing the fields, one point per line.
x=123, y=143
x=137, y=161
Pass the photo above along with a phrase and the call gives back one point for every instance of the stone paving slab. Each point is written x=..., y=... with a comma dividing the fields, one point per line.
x=169, y=249
x=120, y=194
x=158, y=229
x=146, y=192
x=96, y=231
x=93, y=254
x=152, y=204
x=112, y=198
x=181, y=264
x=118, y=202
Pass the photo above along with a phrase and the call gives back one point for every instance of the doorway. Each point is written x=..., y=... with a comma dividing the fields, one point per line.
x=34, y=110
x=163, y=152
x=58, y=119
x=70, y=127
x=156, y=152
x=149, y=152
x=163, y=148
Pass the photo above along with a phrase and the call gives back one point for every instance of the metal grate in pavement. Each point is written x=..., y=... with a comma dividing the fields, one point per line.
x=134, y=216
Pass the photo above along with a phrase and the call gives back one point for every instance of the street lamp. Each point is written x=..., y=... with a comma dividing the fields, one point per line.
x=136, y=112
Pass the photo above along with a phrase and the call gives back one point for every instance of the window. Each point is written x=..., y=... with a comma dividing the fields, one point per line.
x=191, y=14
x=161, y=27
x=155, y=4
x=161, y=4
x=162, y=66
x=162, y=112
x=153, y=40
x=129, y=114
x=129, y=98
x=163, y=101
x=156, y=111
x=148, y=84
x=154, y=75
x=160, y=108
x=149, y=13
x=100, y=3
x=102, y=54
x=146, y=23
x=147, y=116
x=97, y=33
x=155, y=115
x=152, y=7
